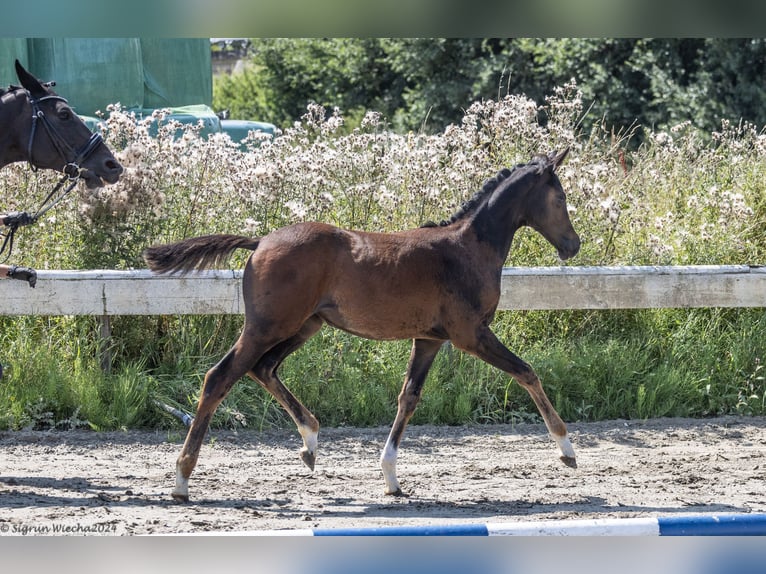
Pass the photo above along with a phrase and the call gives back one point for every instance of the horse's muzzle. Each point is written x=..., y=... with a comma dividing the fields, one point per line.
x=109, y=171
x=568, y=248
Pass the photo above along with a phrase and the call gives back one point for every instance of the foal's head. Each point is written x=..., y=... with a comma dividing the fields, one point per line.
x=546, y=207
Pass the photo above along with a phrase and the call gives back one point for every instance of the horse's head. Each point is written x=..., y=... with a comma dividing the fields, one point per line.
x=59, y=140
x=546, y=208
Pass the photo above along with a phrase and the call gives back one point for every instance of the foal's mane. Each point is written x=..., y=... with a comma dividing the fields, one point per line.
x=478, y=198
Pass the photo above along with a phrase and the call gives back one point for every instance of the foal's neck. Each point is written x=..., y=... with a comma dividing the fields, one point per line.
x=497, y=220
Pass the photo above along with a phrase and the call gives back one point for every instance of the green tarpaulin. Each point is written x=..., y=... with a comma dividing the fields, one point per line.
x=11, y=49
x=142, y=74
x=177, y=72
x=90, y=72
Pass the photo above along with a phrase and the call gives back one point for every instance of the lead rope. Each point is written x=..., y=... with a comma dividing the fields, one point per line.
x=18, y=219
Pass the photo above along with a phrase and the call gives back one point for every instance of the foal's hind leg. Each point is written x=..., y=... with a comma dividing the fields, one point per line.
x=218, y=383
x=265, y=373
x=422, y=357
x=488, y=348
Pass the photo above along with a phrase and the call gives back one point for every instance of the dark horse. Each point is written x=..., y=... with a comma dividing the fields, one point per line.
x=38, y=126
x=436, y=283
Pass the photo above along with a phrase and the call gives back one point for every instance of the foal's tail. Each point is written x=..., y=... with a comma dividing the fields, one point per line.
x=196, y=253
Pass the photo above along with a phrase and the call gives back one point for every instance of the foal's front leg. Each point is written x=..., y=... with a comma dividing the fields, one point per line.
x=488, y=348
x=421, y=358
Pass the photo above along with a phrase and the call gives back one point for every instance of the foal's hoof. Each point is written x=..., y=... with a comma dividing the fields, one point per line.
x=569, y=461
x=398, y=494
x=180, y=497
x=308, y=458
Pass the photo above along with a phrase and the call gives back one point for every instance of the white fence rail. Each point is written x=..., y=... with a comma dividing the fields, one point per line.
x=107, y=293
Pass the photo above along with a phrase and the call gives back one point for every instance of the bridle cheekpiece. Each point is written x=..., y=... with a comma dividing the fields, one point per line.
x=72, y=157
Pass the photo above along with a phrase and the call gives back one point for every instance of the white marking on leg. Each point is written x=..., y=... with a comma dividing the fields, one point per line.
x=182, y=485
x=310, y=439
x=388, y=464
x=309, y=450
x=565, y=446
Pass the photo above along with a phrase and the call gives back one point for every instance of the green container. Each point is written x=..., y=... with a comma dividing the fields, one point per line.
x=238, y=130
x=211, y=123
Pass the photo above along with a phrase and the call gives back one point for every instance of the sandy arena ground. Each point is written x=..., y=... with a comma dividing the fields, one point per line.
x=119, y=483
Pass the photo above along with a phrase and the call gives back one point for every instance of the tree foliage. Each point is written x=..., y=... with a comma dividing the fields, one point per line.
x=426, y=83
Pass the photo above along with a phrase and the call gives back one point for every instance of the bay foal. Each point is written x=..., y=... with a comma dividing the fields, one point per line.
x=436, y=283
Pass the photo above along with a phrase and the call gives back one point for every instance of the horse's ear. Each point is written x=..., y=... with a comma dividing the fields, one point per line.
x=29, y=82
x=558, y=159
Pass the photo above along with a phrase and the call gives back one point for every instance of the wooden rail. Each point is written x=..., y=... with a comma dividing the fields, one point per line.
x=108, y=293
x=633, y=287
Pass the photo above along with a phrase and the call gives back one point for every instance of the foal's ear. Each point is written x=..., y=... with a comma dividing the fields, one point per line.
x=557, y=159
x=29, y=82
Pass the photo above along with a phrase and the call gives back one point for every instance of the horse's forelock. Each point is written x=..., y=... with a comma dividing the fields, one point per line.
x=539, y=163
x=9, y=89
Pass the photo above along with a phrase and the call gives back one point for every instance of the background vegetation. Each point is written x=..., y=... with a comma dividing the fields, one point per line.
x=427, y=83
x=637, y=195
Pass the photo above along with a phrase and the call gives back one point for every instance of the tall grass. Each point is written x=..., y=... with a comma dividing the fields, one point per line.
x=680, y=198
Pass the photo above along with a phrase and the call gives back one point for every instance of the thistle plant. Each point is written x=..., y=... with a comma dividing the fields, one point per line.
x=678, y=199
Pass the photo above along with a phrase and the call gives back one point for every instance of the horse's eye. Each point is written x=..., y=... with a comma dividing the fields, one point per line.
x=65, y=114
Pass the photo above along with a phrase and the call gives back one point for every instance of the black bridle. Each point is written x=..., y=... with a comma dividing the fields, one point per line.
x=72, y=159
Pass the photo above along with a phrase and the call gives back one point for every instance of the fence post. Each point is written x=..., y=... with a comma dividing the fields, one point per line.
x=105, y=343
